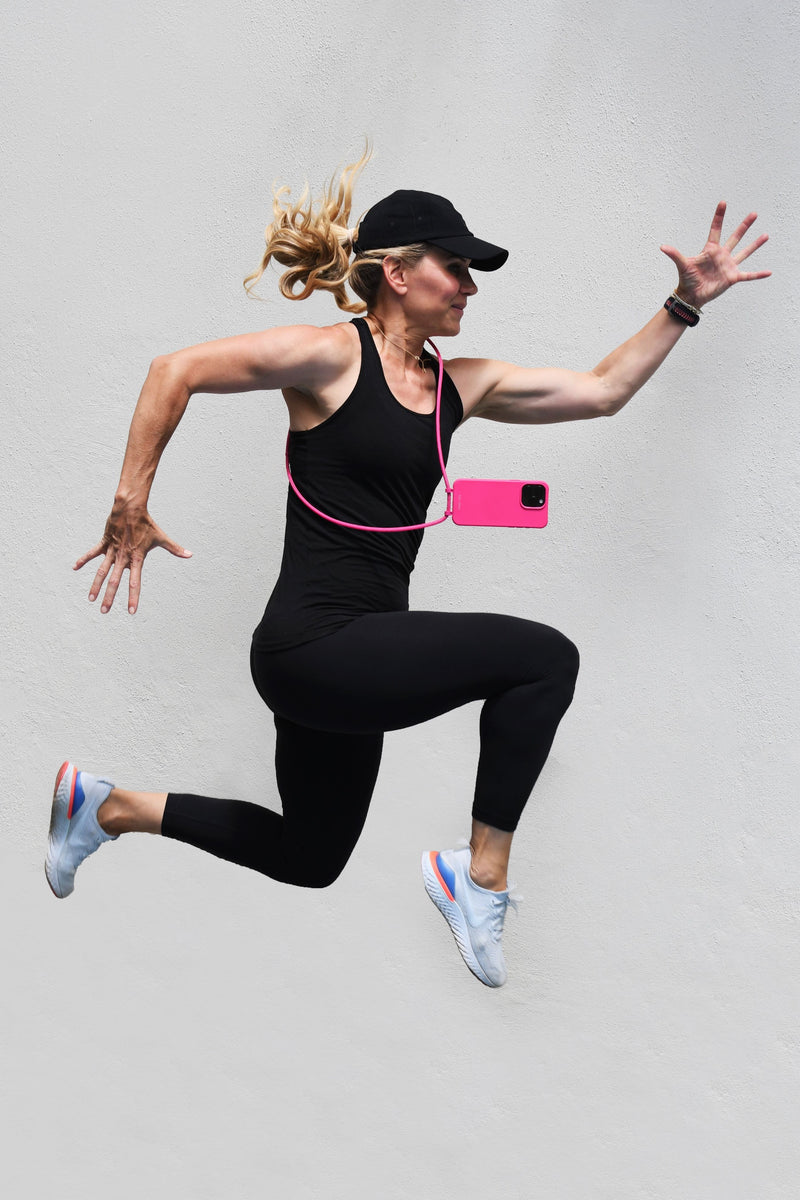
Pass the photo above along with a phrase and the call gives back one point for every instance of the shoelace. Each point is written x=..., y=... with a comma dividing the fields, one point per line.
x=499, y=906
x=513, y=899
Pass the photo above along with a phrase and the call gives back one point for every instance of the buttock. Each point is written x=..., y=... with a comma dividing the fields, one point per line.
x=390, y=670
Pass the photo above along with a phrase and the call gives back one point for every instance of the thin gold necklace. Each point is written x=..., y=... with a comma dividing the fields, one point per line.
x=397, y=346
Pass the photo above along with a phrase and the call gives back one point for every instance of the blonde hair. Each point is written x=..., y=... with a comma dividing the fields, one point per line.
x=314, y=241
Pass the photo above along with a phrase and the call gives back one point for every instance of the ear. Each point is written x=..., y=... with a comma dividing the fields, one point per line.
x=395, y=273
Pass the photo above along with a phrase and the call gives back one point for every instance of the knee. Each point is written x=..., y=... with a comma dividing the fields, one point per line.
x=323, y=880
x=572, y=660
x=316, y=875
x=562, y=657
x=566, y=667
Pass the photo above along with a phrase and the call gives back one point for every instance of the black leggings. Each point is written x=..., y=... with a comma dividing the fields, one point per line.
x=333, y=699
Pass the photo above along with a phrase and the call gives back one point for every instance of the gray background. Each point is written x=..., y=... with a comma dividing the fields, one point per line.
x=181, y=1028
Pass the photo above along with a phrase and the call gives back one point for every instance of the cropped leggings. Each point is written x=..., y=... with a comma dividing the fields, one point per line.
x=334, y=698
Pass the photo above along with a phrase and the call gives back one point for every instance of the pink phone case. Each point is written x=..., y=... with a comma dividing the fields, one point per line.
x=498, y=502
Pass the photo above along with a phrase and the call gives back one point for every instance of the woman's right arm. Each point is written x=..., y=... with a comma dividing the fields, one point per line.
x=300, y=356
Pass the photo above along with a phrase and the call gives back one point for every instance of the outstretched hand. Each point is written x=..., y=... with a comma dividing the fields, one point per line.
x=716, y=267
x=130, y=534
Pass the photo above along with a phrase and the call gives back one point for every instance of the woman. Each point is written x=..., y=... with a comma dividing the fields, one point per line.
x=337, y=656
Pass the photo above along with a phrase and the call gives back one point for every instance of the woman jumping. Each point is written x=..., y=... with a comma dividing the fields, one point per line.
x=338, y=657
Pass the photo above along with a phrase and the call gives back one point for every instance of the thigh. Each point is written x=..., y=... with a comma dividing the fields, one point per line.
x=391, y=670
x=325, y=782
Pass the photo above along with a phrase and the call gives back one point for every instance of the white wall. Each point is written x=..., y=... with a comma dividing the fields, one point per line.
x=183, y=1028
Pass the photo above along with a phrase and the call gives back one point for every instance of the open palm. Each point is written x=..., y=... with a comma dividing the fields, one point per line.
x=717, y=266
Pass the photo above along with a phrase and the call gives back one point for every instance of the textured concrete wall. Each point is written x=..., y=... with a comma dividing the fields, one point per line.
x=181, y=1028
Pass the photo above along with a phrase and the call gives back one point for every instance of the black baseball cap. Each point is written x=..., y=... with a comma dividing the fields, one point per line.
x=406, y=217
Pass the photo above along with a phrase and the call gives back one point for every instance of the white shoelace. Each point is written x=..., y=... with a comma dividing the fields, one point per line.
x=511, y=898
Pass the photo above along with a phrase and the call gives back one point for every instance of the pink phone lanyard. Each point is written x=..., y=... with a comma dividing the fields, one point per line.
x=392, y=528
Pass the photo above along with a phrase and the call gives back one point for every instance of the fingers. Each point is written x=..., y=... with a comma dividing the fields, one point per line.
x=129, y=537
x=740, y=230
x=740, y=255
x=715, y=269
x=112, y=587
x=168, y=544
x=134, y=585
x=116, y=561
x=112, y=562
x=751, y=249
x=747, y=276
x=102, y=571
x=89, y=555
x=716, y=224
x=675, y=255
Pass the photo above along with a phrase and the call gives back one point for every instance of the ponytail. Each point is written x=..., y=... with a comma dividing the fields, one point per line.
x=315, y=243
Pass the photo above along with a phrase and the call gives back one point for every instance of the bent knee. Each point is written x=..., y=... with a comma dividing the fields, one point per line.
x=565, y=668
x=572, y=660
x=315, y=875
x=564, y=658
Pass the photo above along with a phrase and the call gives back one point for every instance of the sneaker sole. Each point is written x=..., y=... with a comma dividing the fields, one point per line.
x=59, y=824
x=453, y=915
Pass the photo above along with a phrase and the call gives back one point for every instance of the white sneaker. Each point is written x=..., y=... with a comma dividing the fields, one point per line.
x=74, y=831
x=474, y=914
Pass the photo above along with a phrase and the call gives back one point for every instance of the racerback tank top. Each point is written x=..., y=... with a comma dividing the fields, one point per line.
x=373, y=462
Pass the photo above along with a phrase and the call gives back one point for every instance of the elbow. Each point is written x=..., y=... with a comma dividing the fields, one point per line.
x=161, y=368
x=606, y=400
x=169, y=372
x=164, y=364
x=610, y=400
x=609, y=407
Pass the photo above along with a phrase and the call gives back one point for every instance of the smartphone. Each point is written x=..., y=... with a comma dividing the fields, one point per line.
x=514, y=503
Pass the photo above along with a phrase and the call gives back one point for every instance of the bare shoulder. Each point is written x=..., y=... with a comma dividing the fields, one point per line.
x=330, y=341
x=322, y=350
x=474, y=378
x=302, y=356
x=327, y=371
x=324, y=354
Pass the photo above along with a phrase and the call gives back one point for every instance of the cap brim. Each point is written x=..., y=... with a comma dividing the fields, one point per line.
x=483, y=255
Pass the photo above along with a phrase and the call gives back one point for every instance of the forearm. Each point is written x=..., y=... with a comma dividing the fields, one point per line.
x=162, y=402
x=630, y=366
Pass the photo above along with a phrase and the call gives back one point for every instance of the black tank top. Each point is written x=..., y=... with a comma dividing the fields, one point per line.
x=373, y=462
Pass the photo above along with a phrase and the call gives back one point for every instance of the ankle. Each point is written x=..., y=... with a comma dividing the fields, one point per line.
x=490, y=850
x=125, y=811
x=491, y=879
x=111, y=815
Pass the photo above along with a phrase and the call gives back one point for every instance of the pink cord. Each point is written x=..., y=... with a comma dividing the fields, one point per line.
x=392, y=528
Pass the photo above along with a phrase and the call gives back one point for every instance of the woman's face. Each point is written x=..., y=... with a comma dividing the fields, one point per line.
x=438, y=288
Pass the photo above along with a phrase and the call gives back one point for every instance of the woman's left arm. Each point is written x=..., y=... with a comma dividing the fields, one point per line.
x=503, y=392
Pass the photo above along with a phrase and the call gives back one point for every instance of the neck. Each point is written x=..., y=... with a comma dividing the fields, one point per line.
x=398, y=339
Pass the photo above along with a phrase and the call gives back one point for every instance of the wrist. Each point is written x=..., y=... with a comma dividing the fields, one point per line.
x=135, y=482
x=685, y=297
x=129, y=498
x=681, y=310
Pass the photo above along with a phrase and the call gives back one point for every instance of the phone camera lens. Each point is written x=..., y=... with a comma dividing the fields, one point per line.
x=533, y=495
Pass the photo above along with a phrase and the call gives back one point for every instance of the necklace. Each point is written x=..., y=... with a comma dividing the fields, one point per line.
x=417, y=359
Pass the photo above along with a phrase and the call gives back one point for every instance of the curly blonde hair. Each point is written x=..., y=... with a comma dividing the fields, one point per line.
x=314, y=241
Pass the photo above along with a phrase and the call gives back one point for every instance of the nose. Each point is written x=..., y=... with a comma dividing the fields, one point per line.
x=469, y=287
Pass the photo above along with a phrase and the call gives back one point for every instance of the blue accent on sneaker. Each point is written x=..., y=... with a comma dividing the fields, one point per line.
x=74, y=829
x=475, y=914
x=447, y=873
x=79, y=795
